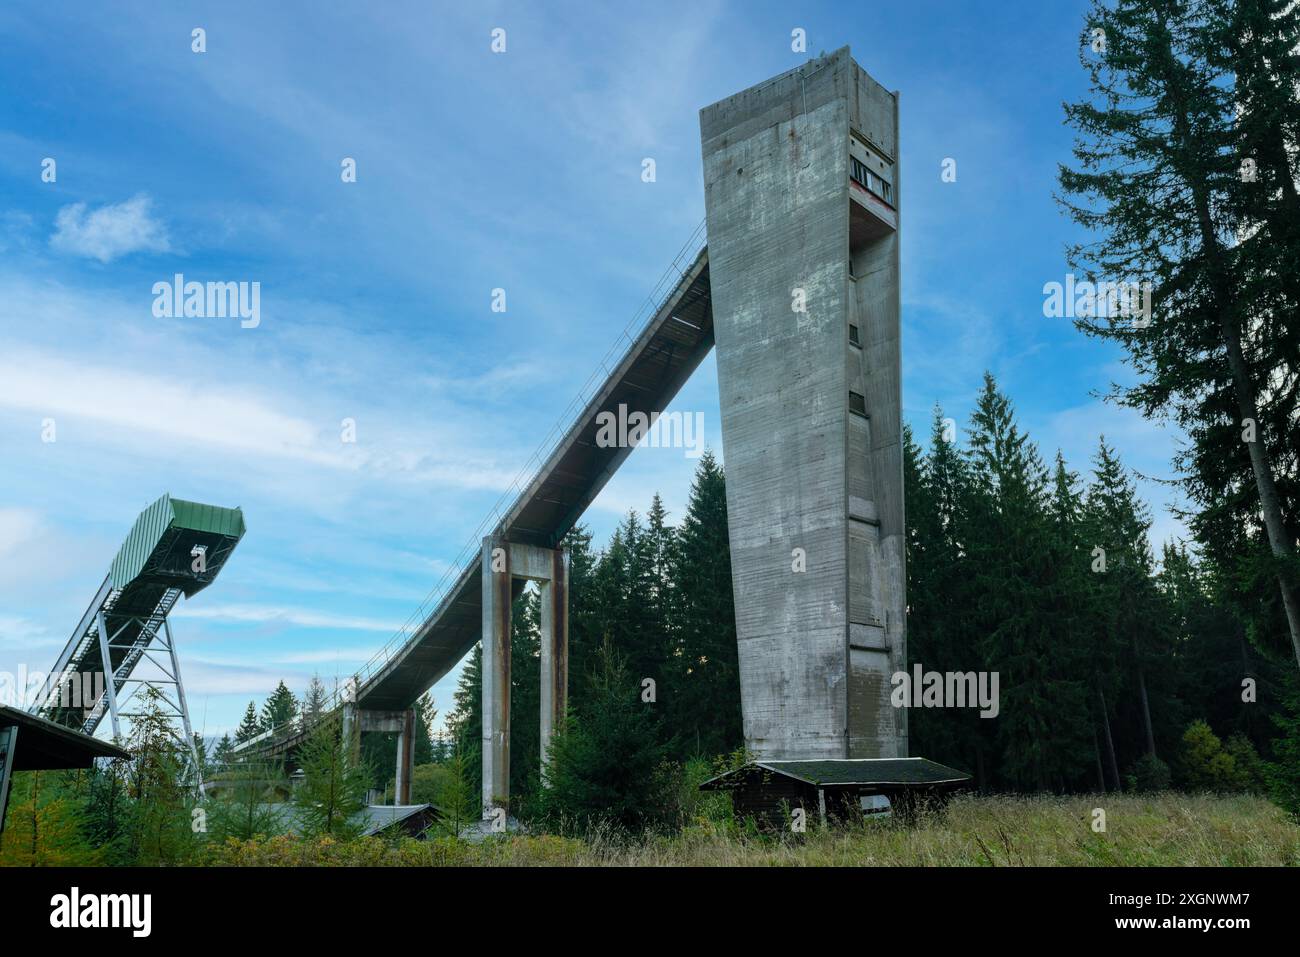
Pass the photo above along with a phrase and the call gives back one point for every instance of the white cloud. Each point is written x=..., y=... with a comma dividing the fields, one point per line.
x=138, y=402
x=272, y=614
x=23, y=633
x=109, y=231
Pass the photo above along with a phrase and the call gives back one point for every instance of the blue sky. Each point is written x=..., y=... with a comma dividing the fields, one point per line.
x=475, y=171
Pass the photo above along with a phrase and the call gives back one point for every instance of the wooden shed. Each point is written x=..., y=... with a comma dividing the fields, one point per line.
x=836, y=789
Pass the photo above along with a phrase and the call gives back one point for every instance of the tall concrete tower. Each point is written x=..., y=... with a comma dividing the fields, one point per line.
x=802, y=193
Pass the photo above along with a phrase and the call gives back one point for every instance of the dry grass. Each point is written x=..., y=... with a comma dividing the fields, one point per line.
x=1166, y=829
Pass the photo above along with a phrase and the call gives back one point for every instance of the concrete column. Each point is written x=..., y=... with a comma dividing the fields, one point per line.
x=352, y=730
x=405, y=758
x=555, y=648
x=496, y=675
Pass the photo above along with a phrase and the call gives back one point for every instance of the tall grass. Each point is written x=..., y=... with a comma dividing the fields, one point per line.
x=1165, y=829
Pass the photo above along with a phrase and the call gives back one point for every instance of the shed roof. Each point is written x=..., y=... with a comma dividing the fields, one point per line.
x=373, y=818
x=44, y=746
x=844, y=772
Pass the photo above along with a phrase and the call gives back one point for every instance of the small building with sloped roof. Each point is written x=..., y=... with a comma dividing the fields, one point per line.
x=31, y=743
x=835, y=789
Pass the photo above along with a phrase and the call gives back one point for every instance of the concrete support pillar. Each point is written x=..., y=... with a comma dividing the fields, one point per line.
x=496, y=675
x=352, y=730
x=555, y=648
x=405, y=758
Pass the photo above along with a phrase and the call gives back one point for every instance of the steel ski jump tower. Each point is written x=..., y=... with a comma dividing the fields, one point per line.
x=802, y=195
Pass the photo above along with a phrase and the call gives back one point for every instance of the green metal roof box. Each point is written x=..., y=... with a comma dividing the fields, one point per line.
x=160, y=545
x=847, y=772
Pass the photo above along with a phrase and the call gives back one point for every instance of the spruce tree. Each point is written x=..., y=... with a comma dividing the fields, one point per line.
x=1127, y=608
x=250, y=727
x=704, y=708
x=1160, y=175
x=332, y=795
x=607, y=765
x=1042, y=727
x=315, y=701
x=280, y=710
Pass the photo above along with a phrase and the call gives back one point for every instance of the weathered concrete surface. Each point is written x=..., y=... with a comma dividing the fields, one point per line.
x=504, y=564
x=806, y=477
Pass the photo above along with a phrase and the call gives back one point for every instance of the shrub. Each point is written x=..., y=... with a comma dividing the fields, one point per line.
x=1205, y=765
x=1149, y=773
x=608, y=769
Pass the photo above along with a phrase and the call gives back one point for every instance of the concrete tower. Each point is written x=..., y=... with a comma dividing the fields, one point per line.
x=802, y=194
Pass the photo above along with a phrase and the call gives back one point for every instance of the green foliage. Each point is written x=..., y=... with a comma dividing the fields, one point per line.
x=457, y=795
x=315, y=701
x=1203, y=762
x=1156, y=830
x=246, y=806
x=1250, y=768
x=280, y=709
x=333, y=790
x=250, y=727
x=425, y=717
x=1283, y=773
x=42, y=827
x=1149, y=774
x=1183, y=96
x=661, y=595
x=160, y=828
x=607, y=766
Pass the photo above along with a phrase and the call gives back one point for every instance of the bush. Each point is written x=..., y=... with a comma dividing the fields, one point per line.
x=1204, y=764
x=608, y=770
x=1250, y=769
x=1149, y=773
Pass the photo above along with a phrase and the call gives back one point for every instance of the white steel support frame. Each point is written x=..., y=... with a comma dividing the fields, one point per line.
x=155, y=636
x=110, y=679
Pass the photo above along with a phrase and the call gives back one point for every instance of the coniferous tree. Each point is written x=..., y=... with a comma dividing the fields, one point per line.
x=1041, y=726
x=250, y=727
x=247, y=808
x=606, y=766
x=1160, y=175
x=42, y=827
x=1127, y=609
x=703, y=704
x=332, y=794
x=425, y=716
x=315, y=701
x=224, y=752
x=160, y=830
x=281, y=709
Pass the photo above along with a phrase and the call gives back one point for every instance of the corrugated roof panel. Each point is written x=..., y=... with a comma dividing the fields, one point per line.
x=139, y=544
x=208, y=518
x=851, y=771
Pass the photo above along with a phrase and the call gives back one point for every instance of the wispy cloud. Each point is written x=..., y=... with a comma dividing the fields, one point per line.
x=302, y=617
x=18, y=633
x=109, y=231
